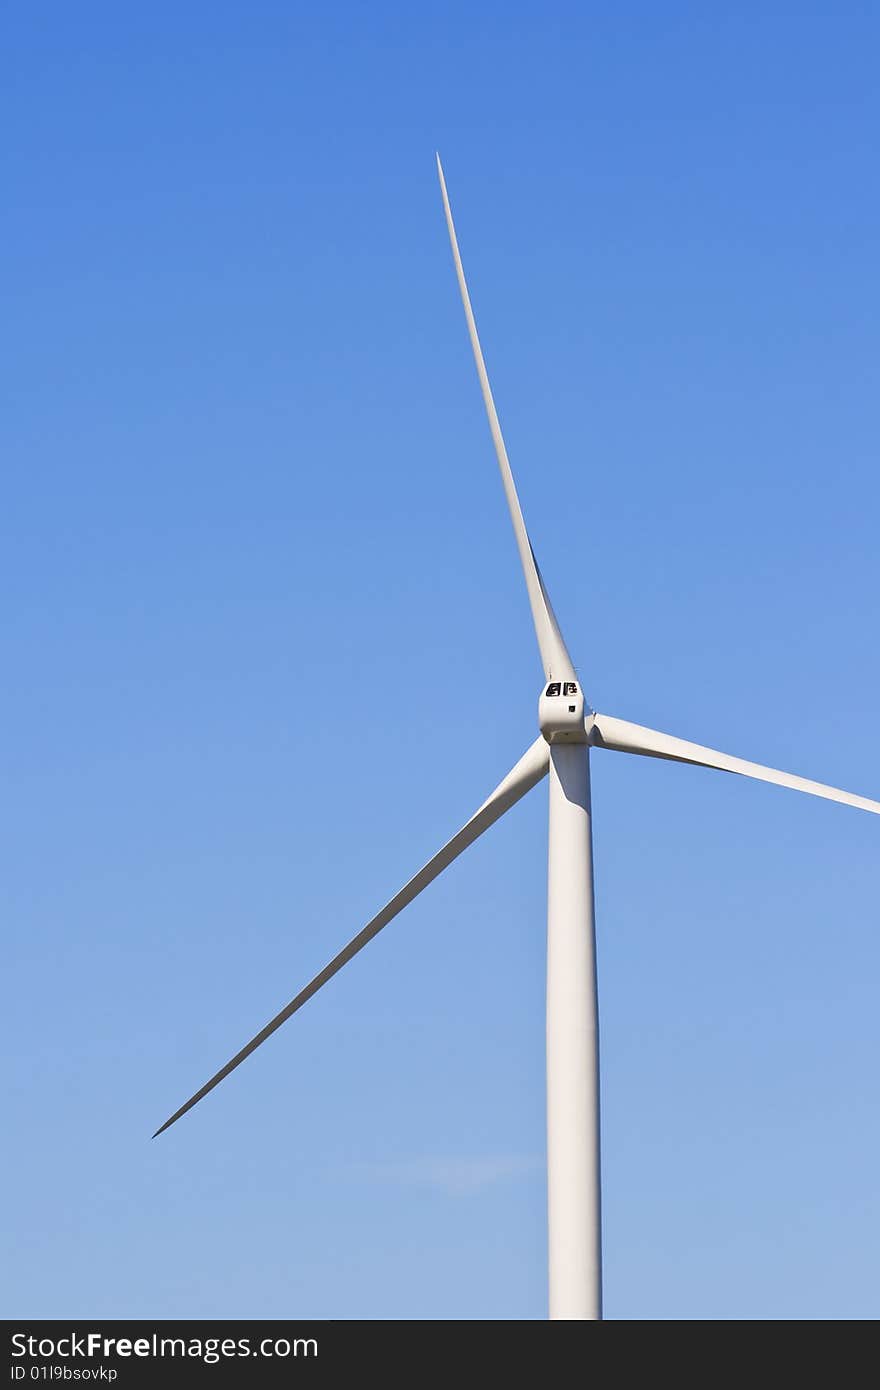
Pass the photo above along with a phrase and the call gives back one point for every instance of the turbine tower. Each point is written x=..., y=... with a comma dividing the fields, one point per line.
x=569, y=729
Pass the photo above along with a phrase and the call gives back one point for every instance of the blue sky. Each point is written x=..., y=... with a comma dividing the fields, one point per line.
x=266, y=646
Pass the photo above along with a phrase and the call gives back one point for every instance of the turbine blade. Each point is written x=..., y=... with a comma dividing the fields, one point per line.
x=623, y=737
x=531, y=767
x=554, y=656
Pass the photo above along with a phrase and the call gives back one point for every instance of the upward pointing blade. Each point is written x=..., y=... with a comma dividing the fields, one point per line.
x=554, y=656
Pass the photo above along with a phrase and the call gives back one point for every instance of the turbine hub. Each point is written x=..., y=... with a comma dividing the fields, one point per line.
x=561, y=712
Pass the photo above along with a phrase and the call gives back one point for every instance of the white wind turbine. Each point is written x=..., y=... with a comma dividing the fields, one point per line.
x=569, y=729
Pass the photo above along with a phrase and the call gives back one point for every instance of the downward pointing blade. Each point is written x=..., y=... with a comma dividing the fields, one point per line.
x=554, y=656
x=623, y=737
x=531, y=767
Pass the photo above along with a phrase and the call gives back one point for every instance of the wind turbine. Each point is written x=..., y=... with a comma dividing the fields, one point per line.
x=568, y=730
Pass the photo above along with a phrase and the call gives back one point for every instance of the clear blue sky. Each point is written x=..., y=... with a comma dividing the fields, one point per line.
x=266, y=645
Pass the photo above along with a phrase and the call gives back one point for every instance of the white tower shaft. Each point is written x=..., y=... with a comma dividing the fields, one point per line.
x=573, y=1186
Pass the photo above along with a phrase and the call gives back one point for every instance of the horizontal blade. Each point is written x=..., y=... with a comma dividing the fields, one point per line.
x=531, y=767
x=554, y=656
x=624, y=737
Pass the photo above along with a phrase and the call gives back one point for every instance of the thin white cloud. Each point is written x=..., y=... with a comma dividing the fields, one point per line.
x=458, y=1176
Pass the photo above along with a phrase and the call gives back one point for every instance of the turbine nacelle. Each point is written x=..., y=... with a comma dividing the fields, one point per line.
x=561, y=712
